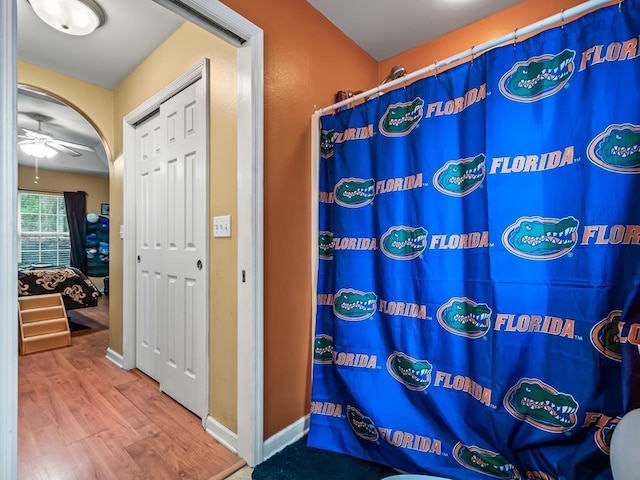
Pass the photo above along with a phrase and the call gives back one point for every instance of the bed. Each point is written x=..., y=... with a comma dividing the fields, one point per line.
x=76, y=288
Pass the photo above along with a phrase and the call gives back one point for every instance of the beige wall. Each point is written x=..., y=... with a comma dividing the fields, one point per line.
x=97, y=187
x=185, y=48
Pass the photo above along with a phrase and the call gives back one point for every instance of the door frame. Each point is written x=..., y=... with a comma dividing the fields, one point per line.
x=249, y=438
x=200, y=71
x=8, y=242
x=250, y=63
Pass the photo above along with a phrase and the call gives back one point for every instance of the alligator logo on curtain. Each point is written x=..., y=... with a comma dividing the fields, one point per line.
x=401, y=118
x=326, y=143
x=403, y=243
x=354, y=305
x=617, y=149
x=605, y=336
x=533, y=401
x=539, y=77
x=485, y=461
x=458, y=178
x=537, y=238
x=323, y=349
x=325, y=245
x=361, y=425
x=413, y=374
x=464, y=317
x=354, y=192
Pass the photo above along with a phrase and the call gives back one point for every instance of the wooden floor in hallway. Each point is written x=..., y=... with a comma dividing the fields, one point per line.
x=81, y=417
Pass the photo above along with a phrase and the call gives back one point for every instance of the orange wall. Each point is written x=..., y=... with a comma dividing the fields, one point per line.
x=307, y=59
x=492, y=27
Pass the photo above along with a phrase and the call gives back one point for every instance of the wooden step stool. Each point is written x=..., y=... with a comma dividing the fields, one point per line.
x=43, y=323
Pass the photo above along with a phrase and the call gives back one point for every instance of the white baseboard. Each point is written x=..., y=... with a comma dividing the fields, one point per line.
x=286, y=437
x=222, y=434
x=115, y=357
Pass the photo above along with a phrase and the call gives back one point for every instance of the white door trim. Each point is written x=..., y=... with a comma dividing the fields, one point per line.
x=251, y=249
x=8, y=244
x=250, y=108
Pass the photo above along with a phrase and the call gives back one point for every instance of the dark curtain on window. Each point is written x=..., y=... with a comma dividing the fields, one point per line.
x=76, y=205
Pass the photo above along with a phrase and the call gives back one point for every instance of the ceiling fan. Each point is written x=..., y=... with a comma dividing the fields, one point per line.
x=39, y=143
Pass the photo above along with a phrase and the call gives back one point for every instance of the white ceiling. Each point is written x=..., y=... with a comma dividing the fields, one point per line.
x=385, y=28
x=134, y=28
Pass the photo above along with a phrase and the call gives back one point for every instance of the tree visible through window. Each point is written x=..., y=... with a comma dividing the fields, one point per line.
x=43, y=232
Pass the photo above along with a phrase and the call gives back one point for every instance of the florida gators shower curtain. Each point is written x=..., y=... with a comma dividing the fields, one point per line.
x=479, y=243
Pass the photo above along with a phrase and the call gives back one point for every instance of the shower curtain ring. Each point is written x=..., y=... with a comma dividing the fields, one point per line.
x=472, y=47
x=515, y=37
x=435, y=67
x=562, y=18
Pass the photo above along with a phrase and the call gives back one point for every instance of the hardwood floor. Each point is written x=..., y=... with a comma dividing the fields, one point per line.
x=81, y=417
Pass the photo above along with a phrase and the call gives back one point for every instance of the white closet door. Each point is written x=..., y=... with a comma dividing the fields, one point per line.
x=150, y=239
x=185, y=255
x=173, y=289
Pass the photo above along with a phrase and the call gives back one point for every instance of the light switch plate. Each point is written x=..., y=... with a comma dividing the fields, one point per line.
x=222, y=226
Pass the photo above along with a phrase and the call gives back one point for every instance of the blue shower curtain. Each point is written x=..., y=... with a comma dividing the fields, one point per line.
x=479, y=244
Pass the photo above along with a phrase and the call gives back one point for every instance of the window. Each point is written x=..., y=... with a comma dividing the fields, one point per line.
x=43, y=232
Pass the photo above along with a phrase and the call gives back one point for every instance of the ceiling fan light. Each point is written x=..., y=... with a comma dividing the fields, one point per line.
x=37, y=149
x=74, y=17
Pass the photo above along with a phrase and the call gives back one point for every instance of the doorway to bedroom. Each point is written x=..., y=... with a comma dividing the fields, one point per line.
x=63, y=207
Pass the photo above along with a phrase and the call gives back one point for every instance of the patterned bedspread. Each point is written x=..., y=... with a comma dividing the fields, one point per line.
x=76, y=289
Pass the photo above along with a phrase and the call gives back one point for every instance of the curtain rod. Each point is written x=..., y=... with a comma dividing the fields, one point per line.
x=473, y=51
x=44, y=190
x=39, y=190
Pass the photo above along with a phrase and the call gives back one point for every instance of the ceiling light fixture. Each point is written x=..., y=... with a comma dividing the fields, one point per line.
x=74, y=17
x=38, y=149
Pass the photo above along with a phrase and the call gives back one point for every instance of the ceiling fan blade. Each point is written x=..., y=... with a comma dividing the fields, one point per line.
x=29, y=133
x=70, y=148
x=79, y=146
x=63, y=149
x=34, y=134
